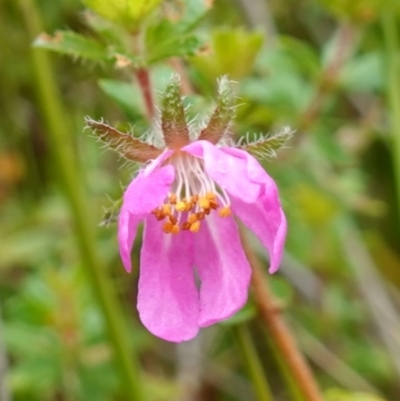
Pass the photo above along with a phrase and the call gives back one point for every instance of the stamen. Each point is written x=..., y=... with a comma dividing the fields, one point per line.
x=173, y=220
x=180, y=206
x=194, y=195
x=172, y=198
x=225, y=211
x=167, y=227
x=195, y=227
x=175, y=229
x=166, y=209
x=200, y=215
x=186, y=225
x=192, y=218
x=204, y=203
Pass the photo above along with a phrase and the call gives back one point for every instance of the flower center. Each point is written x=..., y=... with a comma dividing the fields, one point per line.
x=194, y=195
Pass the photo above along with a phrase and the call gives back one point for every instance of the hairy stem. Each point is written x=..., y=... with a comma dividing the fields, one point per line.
x=143, y=78
x=58, y=132
x=279, y=331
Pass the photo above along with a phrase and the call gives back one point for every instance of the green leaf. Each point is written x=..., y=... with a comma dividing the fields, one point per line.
x=364, y=73
x=233, y=53
x=129, y=13
x=164, y=39
x=73, y=44
x=124, y=93
x=194, y=12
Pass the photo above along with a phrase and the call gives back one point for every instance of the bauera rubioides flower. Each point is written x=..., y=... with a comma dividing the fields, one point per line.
x=193, y=271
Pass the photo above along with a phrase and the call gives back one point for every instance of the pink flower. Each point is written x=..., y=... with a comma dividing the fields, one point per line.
x=187, y=197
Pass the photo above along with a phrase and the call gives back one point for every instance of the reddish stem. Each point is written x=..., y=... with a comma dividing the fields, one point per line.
x=282, y=337
x=142, y=75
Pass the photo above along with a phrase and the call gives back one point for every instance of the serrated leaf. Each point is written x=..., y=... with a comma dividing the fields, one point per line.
x=73, y=44
x=173, y=122
x=164, y=39
x=129, y=13
x=223, y=115
x=267, y=145
x=127, y=146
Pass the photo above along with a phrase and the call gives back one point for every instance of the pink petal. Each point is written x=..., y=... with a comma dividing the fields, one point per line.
x=146, y=192
x=154, y=164
x=267, y=220
x=127, y=226
x=223, y=269
x=227, y=170
x=255, y=171
x=168, y=298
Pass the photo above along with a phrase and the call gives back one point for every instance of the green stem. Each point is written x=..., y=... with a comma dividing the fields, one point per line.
x=58, y=131
x=390, y=33
x=290, y=382
x=253, y=364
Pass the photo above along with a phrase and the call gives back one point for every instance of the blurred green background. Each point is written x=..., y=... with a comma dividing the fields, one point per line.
x=328, y=69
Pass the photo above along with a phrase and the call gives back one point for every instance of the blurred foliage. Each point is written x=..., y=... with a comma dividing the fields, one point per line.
x=322, y=71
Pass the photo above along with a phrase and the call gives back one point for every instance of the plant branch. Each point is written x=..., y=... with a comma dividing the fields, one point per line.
x=143, y=78
x=279, y=331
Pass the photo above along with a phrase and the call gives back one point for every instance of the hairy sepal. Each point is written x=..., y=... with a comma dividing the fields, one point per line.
x=265, y=146
x=127, y=146
x=224, y=113
x=173, y=121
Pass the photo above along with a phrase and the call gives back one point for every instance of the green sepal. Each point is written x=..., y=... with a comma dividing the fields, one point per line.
x=111, y=214
x=223, y=115
x=173, y=121
x=266, y=145
x=73, y=44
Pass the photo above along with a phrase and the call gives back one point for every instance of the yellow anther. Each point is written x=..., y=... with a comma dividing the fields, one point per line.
x=159, y=214
x=214, y=204
x=195, y=227
x=200, y=215
x=167, y=227
x=211, y=196
x=189, y=206
x=204, y=203
x=186, y=225
x=194, y=198
x=192, y=218
x=173, y=219
x=166, y=208
x=172, y=198
x=175, y=229
x=180, y=206
x=225, y=211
